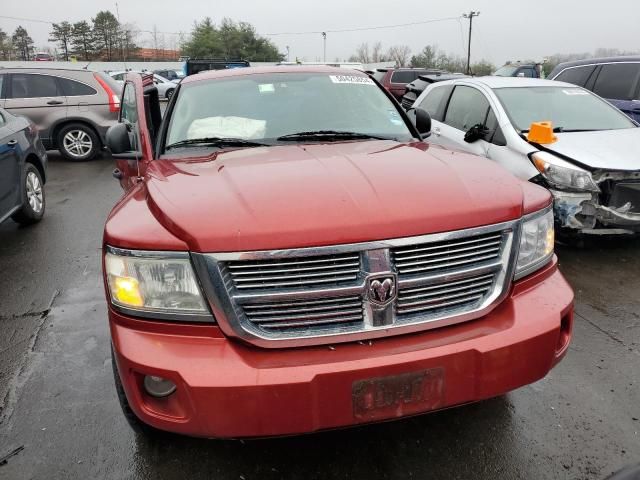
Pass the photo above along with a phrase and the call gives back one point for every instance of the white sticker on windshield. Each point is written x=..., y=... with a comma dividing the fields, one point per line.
x=266, y=88
x=575, y=92
x=352, y=79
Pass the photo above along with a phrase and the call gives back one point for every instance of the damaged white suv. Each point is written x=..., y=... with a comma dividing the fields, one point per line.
x=586, y=152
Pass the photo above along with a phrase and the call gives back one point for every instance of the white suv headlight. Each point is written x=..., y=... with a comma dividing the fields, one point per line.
x=536, y=243
x=562, y=174
x=155, y=284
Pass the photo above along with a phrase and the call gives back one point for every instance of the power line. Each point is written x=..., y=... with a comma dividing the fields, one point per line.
x=361, y=29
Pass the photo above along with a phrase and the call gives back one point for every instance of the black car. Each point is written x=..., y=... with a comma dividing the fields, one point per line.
x=616, y=79
x=415, y=88
x=23, y=163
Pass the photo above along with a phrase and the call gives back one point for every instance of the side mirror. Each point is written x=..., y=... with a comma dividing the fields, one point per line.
x=475, y=133
x=118, y=139
x=423, y=122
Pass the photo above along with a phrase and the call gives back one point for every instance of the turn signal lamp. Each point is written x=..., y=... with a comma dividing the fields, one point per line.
x=126, y=291
x=541, y=133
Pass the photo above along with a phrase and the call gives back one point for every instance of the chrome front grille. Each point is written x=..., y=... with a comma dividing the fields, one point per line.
x=311, y=296
x=344, y=312
x=459, y=294
x=447, y=255
x=291, y=273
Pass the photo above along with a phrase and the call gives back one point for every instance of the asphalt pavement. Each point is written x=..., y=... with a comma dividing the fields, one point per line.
x=59, y=404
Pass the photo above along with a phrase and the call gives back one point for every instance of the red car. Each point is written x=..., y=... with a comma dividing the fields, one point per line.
x=395, y=80
x=291, y=256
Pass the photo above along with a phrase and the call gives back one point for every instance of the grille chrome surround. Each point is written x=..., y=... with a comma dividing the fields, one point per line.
x=442, y=279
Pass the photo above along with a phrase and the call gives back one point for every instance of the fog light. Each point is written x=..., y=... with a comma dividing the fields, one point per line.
x=158, y=387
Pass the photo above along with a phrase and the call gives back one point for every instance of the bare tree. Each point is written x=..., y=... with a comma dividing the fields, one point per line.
x=400, y=54
x=362, y=53
x=376, y=54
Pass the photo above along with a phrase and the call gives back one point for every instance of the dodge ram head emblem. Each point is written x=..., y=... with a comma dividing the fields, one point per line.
x=381, y=289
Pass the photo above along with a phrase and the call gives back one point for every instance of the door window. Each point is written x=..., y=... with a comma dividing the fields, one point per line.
x=467, y=107
x=71, y=88
x=577, y=76
x=403, y=76
x=24, y=85
x=432, y=103
x=129, y=114
x=616, y=81
x=1, y=83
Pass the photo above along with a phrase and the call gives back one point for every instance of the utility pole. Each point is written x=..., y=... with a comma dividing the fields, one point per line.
x=324, y=37
x=288, y=51
x=470, y=16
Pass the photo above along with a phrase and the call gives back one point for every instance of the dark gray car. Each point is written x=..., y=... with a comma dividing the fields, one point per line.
x=72, y=109
x=23, y=163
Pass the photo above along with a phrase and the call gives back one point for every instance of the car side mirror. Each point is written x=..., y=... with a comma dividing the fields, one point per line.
x=423, y=122
x=475, y=133
x=118, y=140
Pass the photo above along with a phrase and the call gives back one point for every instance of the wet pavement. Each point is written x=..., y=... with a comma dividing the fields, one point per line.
x=58, y=399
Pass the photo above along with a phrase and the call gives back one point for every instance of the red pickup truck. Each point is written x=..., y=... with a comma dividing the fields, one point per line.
x=290, y=256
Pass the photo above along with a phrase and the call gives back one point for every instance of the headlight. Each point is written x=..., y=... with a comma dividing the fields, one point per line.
x=160, y=285
x=536, y=243
x=562, y=174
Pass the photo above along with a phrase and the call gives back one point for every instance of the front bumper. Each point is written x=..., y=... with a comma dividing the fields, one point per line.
x=227, y=389
x=583, y=212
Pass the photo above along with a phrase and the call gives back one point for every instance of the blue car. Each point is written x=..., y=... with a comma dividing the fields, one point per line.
x=616, y=79
x=23, y=163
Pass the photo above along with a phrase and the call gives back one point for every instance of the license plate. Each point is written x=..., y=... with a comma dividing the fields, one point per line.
x=398, y=395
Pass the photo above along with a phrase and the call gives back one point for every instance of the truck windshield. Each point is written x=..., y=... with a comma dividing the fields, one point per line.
x=265, y=107
x=570, y=109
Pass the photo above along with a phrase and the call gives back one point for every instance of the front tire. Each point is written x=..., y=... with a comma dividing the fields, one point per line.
x=33, y=197
x=169, y=93
x=78, y=142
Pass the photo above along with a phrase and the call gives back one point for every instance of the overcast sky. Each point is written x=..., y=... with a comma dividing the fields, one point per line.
x=505, y=30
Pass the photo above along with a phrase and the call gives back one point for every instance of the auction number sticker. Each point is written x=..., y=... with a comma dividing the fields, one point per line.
x=575, y=91
x=351, y=79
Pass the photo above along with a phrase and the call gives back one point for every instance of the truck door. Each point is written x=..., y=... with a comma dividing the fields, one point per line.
x=140, y=112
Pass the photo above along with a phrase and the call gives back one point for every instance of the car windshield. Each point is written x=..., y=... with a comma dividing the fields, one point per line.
x=569, y=108
x=506, y=71
x=263, y=108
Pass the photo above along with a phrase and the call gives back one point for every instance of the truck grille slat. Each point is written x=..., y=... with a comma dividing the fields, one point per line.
x=319, y=314
x=452, y=303
x=309, y=272
x=448, y=245
x=409, y=294
x=439, y=253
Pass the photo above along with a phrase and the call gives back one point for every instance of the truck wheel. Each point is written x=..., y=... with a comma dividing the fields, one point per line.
x=33, y=198
x=78, y=142
x=137, y=425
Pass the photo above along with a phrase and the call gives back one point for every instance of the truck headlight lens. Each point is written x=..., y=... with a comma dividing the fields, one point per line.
x=562, y=174
x=154, y=283
x=536, y=243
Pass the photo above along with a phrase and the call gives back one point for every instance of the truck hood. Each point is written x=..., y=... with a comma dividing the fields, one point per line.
x=603, y=150
x=313, y=195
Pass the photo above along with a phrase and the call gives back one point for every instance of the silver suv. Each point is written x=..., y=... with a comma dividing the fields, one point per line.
x=72, y=109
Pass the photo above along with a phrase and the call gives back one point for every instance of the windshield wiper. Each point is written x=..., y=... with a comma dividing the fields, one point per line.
x=215, y=142
x=328, y=135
